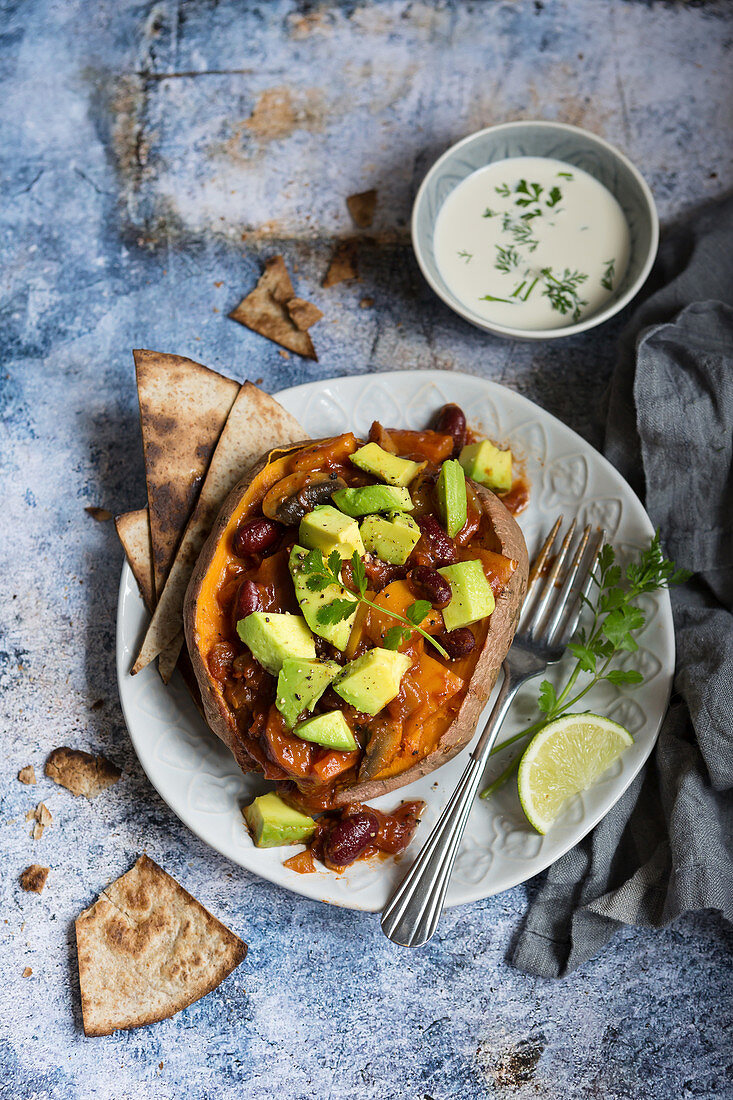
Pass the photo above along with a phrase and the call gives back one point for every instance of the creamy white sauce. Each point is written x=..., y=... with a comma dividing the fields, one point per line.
x=544, y=236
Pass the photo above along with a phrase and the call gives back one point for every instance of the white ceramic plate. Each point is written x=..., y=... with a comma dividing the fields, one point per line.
x=199, y=779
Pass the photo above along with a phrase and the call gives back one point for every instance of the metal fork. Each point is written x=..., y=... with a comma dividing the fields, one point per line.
x=549, y=618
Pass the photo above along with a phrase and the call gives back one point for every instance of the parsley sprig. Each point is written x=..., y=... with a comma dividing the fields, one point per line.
x=616, y=619
x=321, y=573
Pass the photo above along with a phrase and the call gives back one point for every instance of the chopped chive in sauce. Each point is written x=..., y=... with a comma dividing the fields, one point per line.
x=566, y=175
x=493, y=298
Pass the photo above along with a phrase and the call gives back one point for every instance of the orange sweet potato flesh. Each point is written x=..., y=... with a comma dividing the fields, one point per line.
x=439, y=704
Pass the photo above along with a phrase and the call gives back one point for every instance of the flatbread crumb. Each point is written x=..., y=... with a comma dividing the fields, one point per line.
x=264, y=310
x=148, y=949
x=27, y=775
x=100, y=514
x=366, y=303
x=303, y=314
x=27, y=972
x=362, y=206
x=81, y=772
x=343, y=265
x=33, y=879
x=43, y=814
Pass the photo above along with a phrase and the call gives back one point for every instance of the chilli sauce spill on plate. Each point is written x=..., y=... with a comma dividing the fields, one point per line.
x=347, y=619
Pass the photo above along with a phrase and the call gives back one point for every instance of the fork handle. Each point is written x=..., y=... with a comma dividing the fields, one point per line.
x=411, y=915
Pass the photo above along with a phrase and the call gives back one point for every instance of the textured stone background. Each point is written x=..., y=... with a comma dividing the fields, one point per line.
x=152, y=155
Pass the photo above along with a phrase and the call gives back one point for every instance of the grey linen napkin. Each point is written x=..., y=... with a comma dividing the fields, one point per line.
x=666, y=847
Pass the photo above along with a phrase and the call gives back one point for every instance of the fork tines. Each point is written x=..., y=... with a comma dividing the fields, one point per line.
x=553, y=603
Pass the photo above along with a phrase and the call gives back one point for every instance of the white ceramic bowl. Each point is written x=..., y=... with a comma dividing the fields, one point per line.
x=540, y=139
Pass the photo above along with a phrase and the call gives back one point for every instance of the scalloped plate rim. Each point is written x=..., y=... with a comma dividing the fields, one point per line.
x=267, y=863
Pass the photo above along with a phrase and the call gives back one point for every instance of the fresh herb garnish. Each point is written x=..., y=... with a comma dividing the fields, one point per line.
x=563, y=291
x=616, y=620
x=531, y=192
x=467, y=256
x=505, y=190
x=521, y=231
x=489, y=213
x=506, y=258
x=320, y=574
x=609, y=274
x=555, y=197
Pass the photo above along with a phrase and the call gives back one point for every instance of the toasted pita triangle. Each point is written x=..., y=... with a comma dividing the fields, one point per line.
x=134, y=534
x=133, y=531
x=183, y=408
x=148, y=949
x=265, y=311
x=255, y=425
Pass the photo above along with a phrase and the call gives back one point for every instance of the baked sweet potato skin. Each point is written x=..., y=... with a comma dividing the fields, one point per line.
x=502, y=626
x=510, y=543
x=216, y=711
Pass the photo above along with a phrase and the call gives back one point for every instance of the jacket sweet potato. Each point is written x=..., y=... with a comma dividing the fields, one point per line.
x=396, y=754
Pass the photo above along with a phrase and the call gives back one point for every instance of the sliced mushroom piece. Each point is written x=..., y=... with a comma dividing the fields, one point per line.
x=294, y=496
x=383, y=746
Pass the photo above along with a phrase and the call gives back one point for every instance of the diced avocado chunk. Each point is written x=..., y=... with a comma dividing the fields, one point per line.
x=330, y=730
x=326, y=529
x=373, y=498
x=275, y=636
x=451, y=493
x=300, y=685
x=273, y=823
x=374, y=460
x=311, y=603
x=372, y=680
x=391, y=538
x=485, y=463
x=472, y=597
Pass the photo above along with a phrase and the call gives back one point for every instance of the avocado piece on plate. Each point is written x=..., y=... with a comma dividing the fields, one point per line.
x=372, y=680
x=330, y=730
x=485, y=463
x=326, y=529
x=300, y=685
x=311, y=603
x=272, y=822
x=451, y=495
x=374, y=460
x=274, y=636
x=373, y=498
x=472, y=597
x=392, y=538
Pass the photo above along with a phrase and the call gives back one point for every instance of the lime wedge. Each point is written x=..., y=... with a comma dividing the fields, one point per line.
x=567, y=756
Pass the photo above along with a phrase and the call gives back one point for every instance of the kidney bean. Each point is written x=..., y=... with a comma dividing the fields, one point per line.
x=350, y=837
x=429, y=584
x=379, y=574
x=452, y=421
x=458, y=643
x=249, y=599
x=441, y=548
x=219, y=659
x=256, y=536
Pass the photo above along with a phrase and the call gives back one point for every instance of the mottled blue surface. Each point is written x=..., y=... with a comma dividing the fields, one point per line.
x=142, y=185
